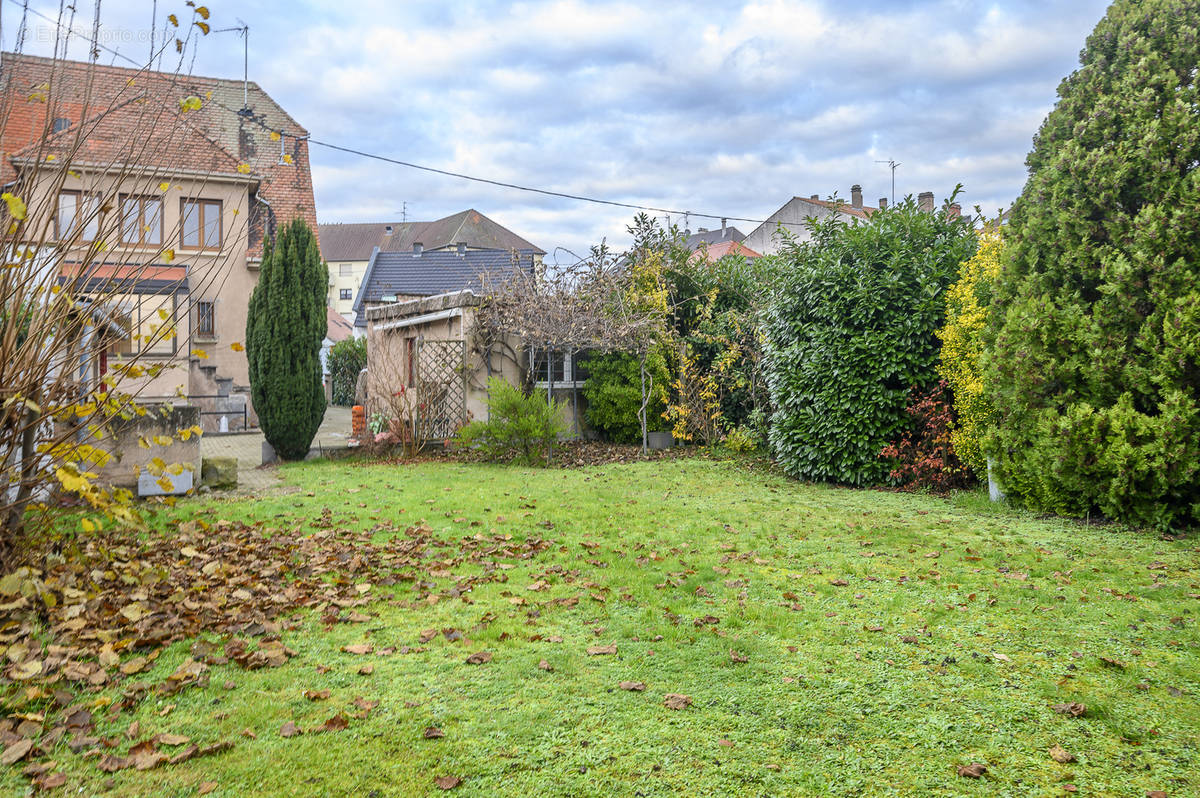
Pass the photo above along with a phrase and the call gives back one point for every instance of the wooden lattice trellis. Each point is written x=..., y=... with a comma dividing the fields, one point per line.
x=442, y=389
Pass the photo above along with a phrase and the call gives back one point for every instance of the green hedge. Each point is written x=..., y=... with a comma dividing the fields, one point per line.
x=851, y=331
x=1094, y=364
x=347, y=358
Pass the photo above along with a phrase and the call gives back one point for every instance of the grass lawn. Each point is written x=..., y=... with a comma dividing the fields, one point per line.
x=832, y=642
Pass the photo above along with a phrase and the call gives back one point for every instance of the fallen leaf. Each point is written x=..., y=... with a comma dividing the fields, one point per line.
x=289, y=729
x=185, y=754
x=838, y=582
x=636, y=687
x=316, y=695
x=1156, y=794
x=1002, y=657
x=50, y=781
x=1074, y=709
x=171, y=739
x=595, y=651
x=434, y=733
x=447, y=782
x=111, y=764
x=361, y=648
x=1113, y=663
x=1061, y=755
x=545, y=665
x=206, y=787
x=737, y=656
x=725, y=742
x=479, y=658
x=336, y=723
x=366, y=670
x=972, y=771
x=676, y=701
x=17, y=751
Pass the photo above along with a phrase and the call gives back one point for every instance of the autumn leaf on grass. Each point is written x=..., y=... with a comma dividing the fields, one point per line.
x=1061, y=755
x=838, y=582
x=447, y=782
x=676, y=701
x=545, y=665
x=336, y=723
x=426, y=636
x=206, y=787
x=316, y=695
x=737, y=656
x=1073, y=709
x=17, y=751
x=433, y=733
x=366, y=670
x=479, y=658
x=49, y=781
x=171, y=739
x=594, y=651
x=972, y=771
x=1113, y=663
x=636, y=687
x=289, y=729
x=359, y=648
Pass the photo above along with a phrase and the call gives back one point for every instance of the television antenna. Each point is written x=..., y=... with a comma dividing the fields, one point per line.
x=891, y=162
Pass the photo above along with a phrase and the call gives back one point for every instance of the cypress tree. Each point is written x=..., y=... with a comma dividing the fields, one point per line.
x=1093, y=358
x=283, y=340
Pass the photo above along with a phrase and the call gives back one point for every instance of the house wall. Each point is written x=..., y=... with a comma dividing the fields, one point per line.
x=225, y=277
x=339, y=282
x=765, y=239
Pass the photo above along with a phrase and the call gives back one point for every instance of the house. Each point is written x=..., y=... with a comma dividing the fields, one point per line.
x=395, y=276
x=337, y=329
x=426, y=366
x=704, y=236
x=721, y=249
x=347, y=247
x=158, y=190
x=796, y=212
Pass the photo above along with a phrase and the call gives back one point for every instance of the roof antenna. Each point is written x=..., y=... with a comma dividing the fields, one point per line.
x=243, y=30
x=892, y=163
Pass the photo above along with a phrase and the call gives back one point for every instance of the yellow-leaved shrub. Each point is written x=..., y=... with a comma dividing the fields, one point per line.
x=962, y=347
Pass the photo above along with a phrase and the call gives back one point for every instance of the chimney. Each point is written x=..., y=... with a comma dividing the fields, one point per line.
x=955, y=210
x=925, y=201
x=814, y=196
x=462, y=248
x=724, y=230
x=856, y=196
x=418, y=248
x=883, y=203
x=701, y=229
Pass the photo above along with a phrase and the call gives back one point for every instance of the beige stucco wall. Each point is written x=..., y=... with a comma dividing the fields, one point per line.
x=225, y=277
x=351, y=282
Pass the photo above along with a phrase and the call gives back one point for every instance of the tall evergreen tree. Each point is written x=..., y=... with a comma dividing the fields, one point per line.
x=1093, y=360
x=283, y=340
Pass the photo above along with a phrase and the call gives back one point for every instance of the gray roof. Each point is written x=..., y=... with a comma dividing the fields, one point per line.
x=356, y=241
x=393, y=274
x=694, y=241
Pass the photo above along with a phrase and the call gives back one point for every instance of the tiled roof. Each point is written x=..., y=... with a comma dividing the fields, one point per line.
x=336, y=327
x=844, y=207
x=714, y=252
x=711, y=237
x=409, y=274
x=355, y=241
x=119, y=93
x=352, y=241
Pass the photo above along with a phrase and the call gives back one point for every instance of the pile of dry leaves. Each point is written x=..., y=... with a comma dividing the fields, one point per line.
x=78, y=631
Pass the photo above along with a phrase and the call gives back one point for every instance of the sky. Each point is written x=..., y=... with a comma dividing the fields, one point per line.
x=726, y=108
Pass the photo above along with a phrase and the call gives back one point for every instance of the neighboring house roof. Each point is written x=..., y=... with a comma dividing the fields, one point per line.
x=843, y=207
x=219, y=134
x=336, y=327
x=355, y=241
x=714, y=252
x=409, y=274
x=711, y=237
x=352, y=241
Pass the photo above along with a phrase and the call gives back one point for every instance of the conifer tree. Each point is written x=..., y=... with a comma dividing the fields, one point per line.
x=1093, y=359
x=283, y=340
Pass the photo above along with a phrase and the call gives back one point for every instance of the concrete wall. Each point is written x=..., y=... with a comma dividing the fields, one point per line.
x=130, y=458
x=765, y=239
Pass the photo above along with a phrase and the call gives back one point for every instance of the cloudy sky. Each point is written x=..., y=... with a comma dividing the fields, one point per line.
x=725, y=108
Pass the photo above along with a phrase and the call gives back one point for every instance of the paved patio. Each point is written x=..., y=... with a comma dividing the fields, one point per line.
x=247, y=448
